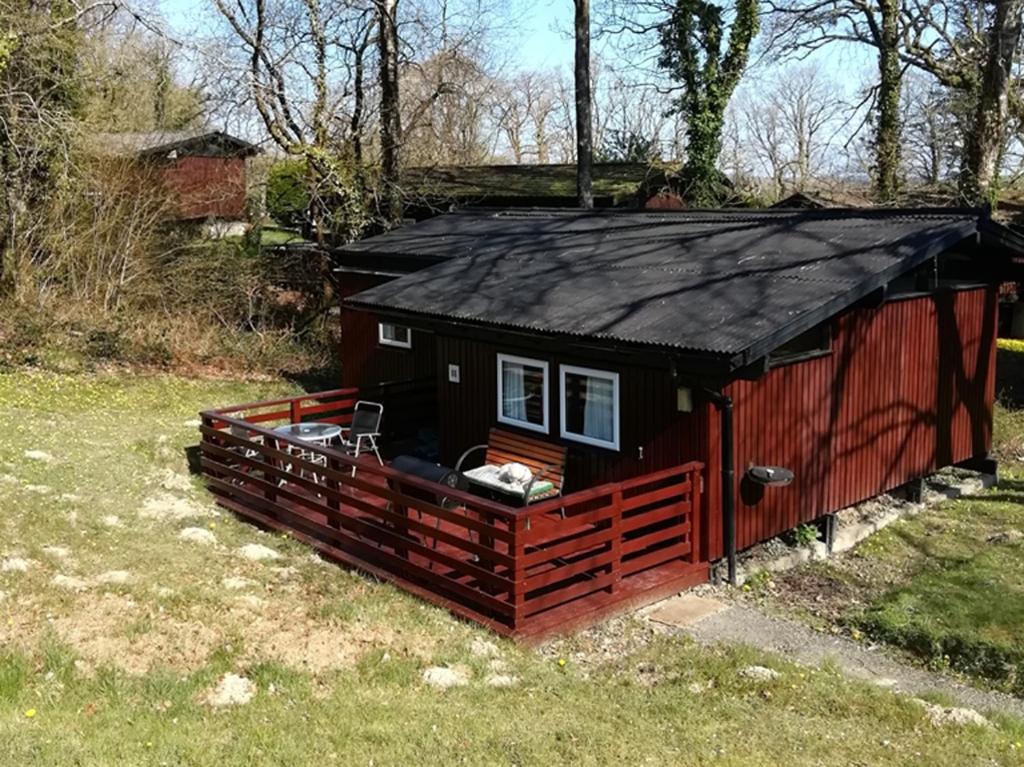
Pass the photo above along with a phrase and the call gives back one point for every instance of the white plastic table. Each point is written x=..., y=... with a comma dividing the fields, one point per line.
x=313, y=432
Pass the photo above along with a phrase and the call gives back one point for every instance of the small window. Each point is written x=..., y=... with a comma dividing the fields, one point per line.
x=391, y=334
x=812, y=343
x=590, y=406
x=523, y=392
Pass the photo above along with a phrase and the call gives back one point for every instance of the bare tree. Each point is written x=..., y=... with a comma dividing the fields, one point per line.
x=390, y=109
x=584, y=127
x=987, y=135
x=931, y=134
x=792, y=122
x=804, y=26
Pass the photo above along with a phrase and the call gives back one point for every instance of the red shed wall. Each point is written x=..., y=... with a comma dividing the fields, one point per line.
x=206, y=187
x=908, y=389
x=364, y=361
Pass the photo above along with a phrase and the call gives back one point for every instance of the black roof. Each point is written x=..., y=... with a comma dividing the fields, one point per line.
x=729, y=283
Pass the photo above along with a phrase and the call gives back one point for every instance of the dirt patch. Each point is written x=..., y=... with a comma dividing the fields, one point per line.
x=171, y=508
x=302, y=644
x=99, y=628
x=816, y=591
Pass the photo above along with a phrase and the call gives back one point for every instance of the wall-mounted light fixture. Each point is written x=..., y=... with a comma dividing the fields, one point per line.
x=454, y=374
x=684, y=399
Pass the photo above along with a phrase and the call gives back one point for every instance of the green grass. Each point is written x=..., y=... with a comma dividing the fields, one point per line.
x=274, y=235
x=961, y=601
x=116, y=673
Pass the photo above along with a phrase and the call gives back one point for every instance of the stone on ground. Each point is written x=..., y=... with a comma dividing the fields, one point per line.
x=114, y=577
x=257, y=552
x=230, y=690
x=39, y=489
x=172, y=480
x=502, y=680
x=942, y=716
x=198, y=535
x=759, y=673
x=236, y=583
x=15, y=565
x=111, y=520
x=69, y=582
x=1007, y=536
x=685, y=610
x=39, y=455
x=444, y=677
x=58, y=552
x=484, y=648
x=170, y=507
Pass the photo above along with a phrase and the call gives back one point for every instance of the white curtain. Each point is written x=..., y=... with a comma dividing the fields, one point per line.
x=513, y=391
x=599, y=409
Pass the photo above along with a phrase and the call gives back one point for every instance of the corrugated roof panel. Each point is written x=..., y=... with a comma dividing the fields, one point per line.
x=712, y=282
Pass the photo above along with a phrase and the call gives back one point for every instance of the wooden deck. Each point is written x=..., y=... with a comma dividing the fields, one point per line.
x=524, y=572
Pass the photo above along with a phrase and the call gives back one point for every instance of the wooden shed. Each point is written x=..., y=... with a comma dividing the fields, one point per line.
x=711, y=378
x=204, y=171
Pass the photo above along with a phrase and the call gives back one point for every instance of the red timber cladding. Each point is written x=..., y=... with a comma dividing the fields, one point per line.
x=206, y=187
x=908, y=389
x=647, y=411
x=364, y=361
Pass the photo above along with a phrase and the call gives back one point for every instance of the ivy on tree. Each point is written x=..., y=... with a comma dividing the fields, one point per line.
x=692, y=53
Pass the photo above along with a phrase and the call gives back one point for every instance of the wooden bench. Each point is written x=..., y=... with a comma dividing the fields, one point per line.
x=545, y=460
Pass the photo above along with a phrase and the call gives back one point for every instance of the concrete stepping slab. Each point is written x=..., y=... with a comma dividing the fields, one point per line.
x=685, y=610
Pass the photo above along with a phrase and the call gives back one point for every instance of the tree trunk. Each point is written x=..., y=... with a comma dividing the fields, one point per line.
x=390, y=117
x=887, y=137
x=985, y=140
x=584, y=127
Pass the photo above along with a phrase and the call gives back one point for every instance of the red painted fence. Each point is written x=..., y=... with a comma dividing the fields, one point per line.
x=521, y=571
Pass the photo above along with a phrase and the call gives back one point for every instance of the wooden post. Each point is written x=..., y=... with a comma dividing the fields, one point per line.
x=696, y=477
x=616, y=540
x=517, y=548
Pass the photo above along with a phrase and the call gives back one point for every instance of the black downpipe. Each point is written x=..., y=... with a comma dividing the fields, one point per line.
x=724, y=406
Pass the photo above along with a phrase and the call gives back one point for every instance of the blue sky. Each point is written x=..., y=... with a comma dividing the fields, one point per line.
x=536, y=43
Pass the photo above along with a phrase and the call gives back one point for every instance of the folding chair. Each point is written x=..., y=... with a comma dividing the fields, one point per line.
x=362, y=435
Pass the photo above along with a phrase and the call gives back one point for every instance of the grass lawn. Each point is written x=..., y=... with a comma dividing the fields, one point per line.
x=113, y=629
x=948, y=584
x=274, y=235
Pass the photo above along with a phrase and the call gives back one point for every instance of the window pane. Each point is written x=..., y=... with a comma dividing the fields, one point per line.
x=396, y=333
x=590, y=406
x=522, y=392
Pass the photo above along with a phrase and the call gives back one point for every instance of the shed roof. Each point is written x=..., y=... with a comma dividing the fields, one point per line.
x=161, y=142
x=712, y=282
x=616, y=181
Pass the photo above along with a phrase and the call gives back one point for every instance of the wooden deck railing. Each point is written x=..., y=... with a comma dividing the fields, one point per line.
x=520, y=571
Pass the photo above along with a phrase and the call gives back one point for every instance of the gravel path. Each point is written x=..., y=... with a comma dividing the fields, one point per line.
x=744, y=625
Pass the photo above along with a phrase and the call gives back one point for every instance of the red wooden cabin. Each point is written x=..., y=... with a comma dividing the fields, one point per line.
x=674, y=355
x=204, y=172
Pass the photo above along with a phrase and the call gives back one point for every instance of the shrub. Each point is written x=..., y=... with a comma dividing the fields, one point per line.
x=287, y=193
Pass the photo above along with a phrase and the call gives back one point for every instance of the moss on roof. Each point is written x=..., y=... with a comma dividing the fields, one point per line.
x=615, y=180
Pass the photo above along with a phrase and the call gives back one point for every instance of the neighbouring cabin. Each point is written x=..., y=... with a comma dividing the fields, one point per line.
x=204, y=172
x=714, y=378
x=431, y=191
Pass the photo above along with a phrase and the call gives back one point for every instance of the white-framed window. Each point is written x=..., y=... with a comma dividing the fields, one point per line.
x=590, y=406
x=390, y=334
x=523, y=392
